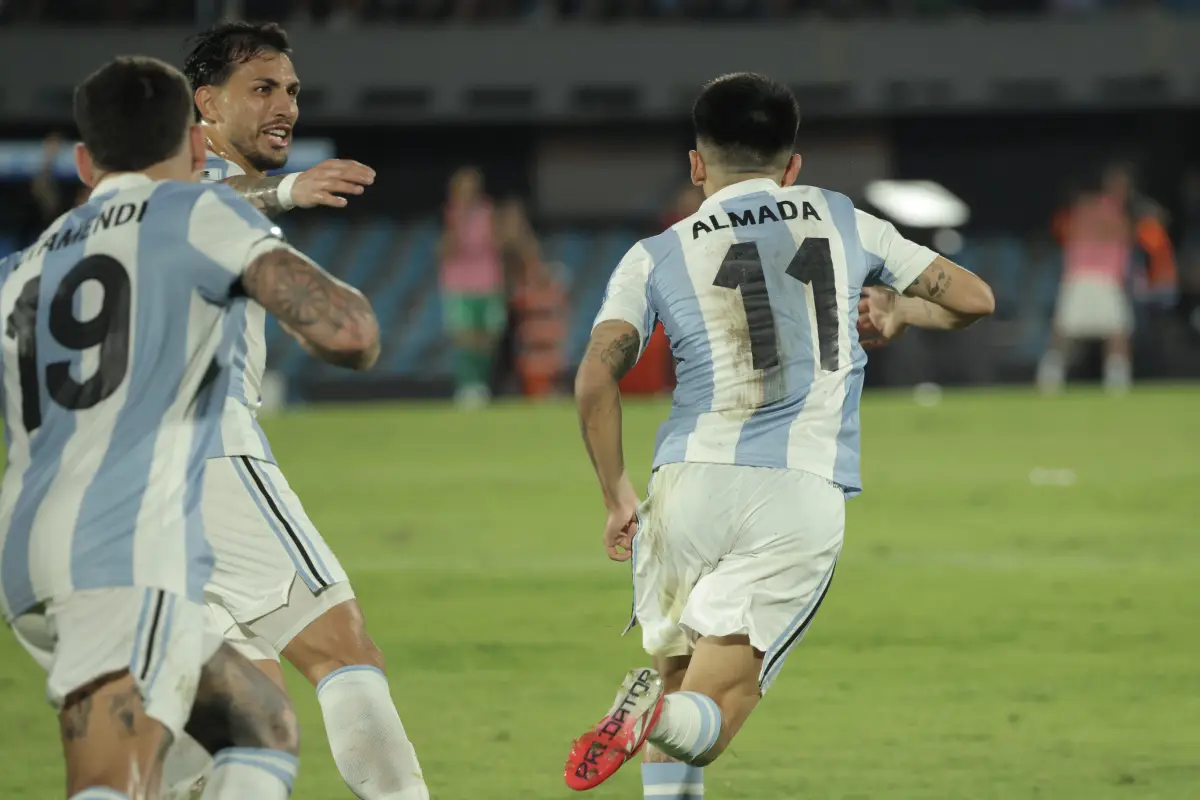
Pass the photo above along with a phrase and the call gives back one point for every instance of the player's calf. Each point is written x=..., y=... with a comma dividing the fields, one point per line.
x=369, y=743
x=248, y=724
x=112, y=748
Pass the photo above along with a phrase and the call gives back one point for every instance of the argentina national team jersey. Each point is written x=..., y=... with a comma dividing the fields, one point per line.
x=240, y=434
x=114, y=364
x=758, y=293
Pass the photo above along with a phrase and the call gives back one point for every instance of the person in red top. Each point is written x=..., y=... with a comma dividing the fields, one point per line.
x=1099, y=234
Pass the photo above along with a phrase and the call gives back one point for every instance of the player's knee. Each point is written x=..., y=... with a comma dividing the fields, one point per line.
x=275, y=728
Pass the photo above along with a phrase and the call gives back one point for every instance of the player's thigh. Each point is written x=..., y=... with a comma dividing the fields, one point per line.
x=262, y=539
x=247, y=643
x=682, y=534
x=319, y=633
x=109, y=740
x=237, y=705
x=126, y=666
x=773, y=581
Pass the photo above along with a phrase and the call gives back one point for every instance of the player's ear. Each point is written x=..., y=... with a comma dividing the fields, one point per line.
x=699, y=171
x=206, y=101
x=793, y=170
x=197, y=146
x=85, y=167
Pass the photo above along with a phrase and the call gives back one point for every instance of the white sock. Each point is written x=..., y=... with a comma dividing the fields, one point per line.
x=99, y=793
x=672, y=780
x=1052, y=372
x=367, y=738
x=1118, y=374
x=239, y=773
x=187, y=763
x=689, y=726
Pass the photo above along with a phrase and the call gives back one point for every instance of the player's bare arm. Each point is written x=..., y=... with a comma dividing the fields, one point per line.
x=611, y=353
x=943, y=297
x=323, y=185
x=949, y=297
x=262, y=192
x=335, y=321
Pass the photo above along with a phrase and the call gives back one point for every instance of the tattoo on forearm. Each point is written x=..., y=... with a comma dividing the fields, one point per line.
x=263, y=193
x=309, y=301
x=74, y=719
x=618, y=355
x=934, y=285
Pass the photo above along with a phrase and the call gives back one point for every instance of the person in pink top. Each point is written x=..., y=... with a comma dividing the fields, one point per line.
x=1100, y=234
x=472, y=283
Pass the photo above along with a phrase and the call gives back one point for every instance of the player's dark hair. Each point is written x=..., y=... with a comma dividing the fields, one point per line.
x=133, y=113
x=217, y=52
x=748, y=119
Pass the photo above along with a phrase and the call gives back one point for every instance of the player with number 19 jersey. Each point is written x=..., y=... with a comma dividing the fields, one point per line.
x=758, y=293
x=115, y=370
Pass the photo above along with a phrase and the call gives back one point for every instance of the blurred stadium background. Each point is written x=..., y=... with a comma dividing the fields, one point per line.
x=1016, y=612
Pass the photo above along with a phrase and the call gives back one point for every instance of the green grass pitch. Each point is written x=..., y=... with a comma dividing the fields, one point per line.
x=986, y=638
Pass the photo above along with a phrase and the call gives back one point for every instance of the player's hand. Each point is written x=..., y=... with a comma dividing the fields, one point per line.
x=323, y=184
x=878, y=322
x=619, y=531
x=304, y=343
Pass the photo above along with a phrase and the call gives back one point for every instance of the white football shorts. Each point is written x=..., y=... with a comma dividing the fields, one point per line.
x=161, y=639
x=1092, y=308
x=274, y=574
x=723, y=550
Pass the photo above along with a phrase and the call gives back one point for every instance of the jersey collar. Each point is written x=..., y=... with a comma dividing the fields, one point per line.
x=751, y=186
x=120, y=182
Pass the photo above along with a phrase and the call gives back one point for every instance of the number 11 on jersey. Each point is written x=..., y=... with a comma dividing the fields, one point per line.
x=742, y=269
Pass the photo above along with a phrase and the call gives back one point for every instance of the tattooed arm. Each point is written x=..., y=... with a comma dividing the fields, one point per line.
x=333, y=320
x=262, y=192
x=611, y=353
x=946, y=297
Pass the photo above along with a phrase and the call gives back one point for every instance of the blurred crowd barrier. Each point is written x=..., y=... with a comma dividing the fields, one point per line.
x=344, y=14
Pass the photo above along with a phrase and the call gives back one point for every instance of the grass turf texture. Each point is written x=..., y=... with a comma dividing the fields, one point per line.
x=985, y=638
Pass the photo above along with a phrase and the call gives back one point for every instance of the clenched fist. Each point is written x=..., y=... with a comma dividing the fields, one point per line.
x=878, y=322
x=322, y=184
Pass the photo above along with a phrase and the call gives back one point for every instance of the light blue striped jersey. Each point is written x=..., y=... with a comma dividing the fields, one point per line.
x=758, y=293
x=240, y=434
x=114, y=363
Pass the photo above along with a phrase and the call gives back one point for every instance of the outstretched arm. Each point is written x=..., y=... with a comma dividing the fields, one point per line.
x=322, y=185
x=611, y=353
x=334, y=321
x=262, y=192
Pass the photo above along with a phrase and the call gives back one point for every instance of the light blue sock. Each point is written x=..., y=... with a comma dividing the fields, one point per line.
x=672, y=781
x=243, y=772
x=99, y=793
x=689, y=726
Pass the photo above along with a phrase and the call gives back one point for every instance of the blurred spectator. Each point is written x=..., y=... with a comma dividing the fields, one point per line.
x=1099, y=233
x=472, y=282
x=538, y=306
x=655, y=371
x=51, y=199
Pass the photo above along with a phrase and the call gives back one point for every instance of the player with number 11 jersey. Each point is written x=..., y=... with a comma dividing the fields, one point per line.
x=734, y=548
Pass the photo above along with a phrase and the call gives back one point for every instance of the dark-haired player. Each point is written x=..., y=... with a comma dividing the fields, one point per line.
x=116, y=363
x=277, y=588
x=734, y=547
